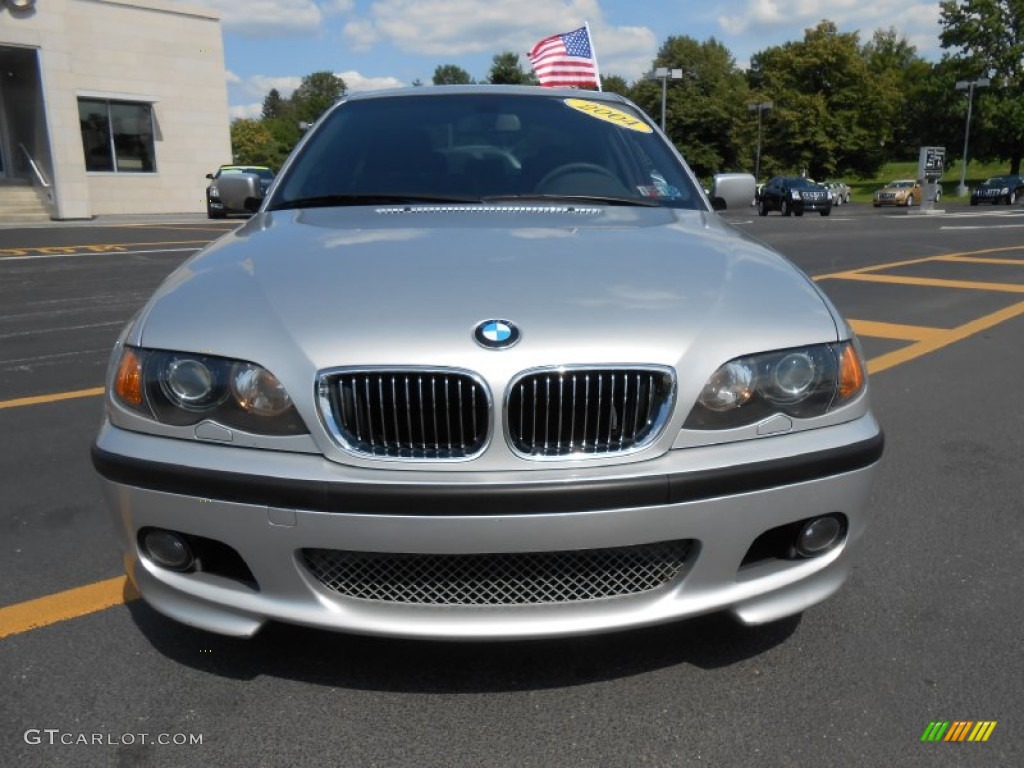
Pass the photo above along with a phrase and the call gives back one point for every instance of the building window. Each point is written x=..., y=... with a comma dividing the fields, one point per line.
x=117, y=136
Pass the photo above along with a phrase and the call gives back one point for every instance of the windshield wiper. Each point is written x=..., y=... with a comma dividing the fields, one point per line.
x=328, y=201
x=597, y=199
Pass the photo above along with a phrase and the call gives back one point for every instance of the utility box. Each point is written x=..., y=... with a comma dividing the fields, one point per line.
x=931, y=162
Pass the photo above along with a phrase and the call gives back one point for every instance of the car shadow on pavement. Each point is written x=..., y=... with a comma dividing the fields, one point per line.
x=415, y=666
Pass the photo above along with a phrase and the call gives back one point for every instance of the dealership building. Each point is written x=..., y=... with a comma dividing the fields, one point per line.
x=109, y=107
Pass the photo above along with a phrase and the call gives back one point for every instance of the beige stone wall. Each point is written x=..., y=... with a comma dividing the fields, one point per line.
x=144, y=50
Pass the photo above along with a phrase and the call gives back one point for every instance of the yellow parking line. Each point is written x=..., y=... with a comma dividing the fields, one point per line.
x=980, y=260
x=921, y=260
x=927, y=346
x=876, y=330
x=70, y=250
x=70, y=604
x=931, y=282
x=38, y=399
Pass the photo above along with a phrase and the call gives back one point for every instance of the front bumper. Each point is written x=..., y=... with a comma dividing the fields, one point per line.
x=988, y=197
x=269, y=506
x=813, y=205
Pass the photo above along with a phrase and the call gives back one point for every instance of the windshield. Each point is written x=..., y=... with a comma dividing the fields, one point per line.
x=902, y=184
x=263, y=173
x=484, y=147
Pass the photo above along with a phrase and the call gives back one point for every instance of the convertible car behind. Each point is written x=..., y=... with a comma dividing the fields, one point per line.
x=485, y=364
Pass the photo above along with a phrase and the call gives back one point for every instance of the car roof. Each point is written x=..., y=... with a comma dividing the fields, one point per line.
x=483, y=89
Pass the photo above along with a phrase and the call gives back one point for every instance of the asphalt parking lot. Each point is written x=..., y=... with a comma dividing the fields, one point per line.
x=927, y=629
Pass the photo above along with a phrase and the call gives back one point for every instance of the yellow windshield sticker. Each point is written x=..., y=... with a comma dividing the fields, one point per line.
x=610, y=115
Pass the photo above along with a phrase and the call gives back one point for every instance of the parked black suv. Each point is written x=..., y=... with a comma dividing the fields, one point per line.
x=794, y=194
x=999, y=189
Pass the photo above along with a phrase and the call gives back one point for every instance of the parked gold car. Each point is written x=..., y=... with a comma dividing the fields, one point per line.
x=899, y=192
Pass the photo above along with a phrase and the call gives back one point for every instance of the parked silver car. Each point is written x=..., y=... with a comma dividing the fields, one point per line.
x=541, y=391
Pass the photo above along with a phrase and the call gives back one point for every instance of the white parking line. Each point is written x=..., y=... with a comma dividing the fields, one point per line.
x=985, y=226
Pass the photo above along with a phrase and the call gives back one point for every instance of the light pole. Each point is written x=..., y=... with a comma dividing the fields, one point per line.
x=969, y=86
x=760, y=106
x=663, y=74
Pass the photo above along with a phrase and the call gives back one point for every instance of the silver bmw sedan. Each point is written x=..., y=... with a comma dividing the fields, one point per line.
x=485, y=364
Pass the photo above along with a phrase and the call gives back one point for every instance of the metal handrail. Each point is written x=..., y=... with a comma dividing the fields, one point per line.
x=35, y=168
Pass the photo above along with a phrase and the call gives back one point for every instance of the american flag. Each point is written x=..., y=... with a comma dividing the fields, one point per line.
x=565, y=60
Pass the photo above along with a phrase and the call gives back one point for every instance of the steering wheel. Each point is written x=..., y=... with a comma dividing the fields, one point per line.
x=570, y=168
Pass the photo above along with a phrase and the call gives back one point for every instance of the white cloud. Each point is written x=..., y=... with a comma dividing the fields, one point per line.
x=338, y=6
x=757, y=24
x=245, y=111
x=354, y=81
x=271, y=18
x=463, y=27
x=231, y=77
x=258, y=86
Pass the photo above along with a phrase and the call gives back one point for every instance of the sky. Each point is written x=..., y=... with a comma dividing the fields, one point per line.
x=387, y=43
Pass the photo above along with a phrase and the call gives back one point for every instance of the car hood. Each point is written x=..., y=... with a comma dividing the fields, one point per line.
x=301, y=291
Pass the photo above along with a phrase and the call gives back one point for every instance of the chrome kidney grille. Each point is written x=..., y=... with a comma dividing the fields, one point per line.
x=509, y=578
x=407, y=414
x=587, y=411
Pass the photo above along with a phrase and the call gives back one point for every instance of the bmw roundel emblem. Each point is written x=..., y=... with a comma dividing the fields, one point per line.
x=496, y=334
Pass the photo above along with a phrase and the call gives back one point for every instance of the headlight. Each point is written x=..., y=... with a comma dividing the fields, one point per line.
x=214, y=192
x=1006, y=191
x=182, y=389
x=795, y=194
x=802, y=383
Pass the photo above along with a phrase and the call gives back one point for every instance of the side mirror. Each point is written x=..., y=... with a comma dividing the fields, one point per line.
x=209, y=175
x=240, y=191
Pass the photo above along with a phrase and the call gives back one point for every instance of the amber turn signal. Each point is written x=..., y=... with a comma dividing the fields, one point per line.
x=128, y=382
x=851, y=373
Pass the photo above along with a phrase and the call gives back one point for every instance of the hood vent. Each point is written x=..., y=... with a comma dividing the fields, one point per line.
x=562, y=209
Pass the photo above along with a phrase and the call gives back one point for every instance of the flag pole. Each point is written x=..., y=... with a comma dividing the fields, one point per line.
x=593, y=52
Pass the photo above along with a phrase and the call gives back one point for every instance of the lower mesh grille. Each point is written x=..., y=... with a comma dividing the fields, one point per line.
x=512, y=578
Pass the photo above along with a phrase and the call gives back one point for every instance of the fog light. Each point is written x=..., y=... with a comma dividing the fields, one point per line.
x=168, y=549
x=818, y=536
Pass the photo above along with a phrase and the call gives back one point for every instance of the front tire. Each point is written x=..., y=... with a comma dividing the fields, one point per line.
x=762, y=208
x=910, y=200
x=825, y=212
x=1011, y=198
x=786, y=209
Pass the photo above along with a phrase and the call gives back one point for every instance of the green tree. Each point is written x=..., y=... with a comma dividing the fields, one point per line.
x=987, y=38
x=285, y=134
x=275, y=106
x=315, y=94
x=901, y=78
x=832, y=115
x=615, y=84
x=705, y=111
x=450, y=74
x=505, y=70
x=252, y=143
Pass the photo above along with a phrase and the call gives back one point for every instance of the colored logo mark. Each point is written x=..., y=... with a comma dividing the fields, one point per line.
x=496, y=334
x=958, y=730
